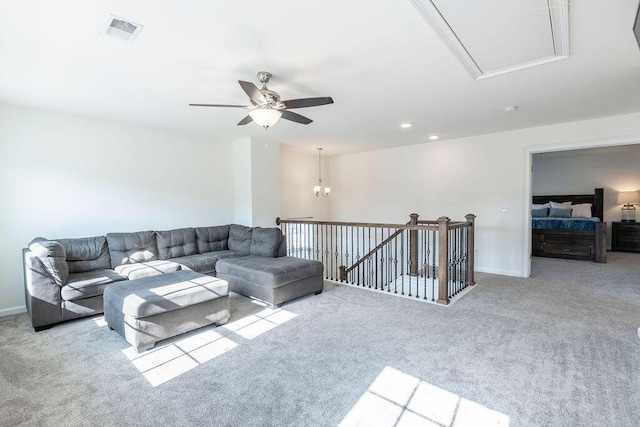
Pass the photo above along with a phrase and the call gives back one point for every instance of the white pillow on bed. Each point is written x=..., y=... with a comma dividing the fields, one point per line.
x=563, y=205
x=582, y=210
x=538, y=206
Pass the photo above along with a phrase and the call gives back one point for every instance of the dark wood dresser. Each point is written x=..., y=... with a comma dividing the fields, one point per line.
x=625, y=236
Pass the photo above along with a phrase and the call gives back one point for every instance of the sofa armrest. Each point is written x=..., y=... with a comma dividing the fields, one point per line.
x=45, y=272
x=53, y=259
x=282, y=249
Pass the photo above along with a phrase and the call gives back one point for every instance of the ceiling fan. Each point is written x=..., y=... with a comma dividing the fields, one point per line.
x=266, y=107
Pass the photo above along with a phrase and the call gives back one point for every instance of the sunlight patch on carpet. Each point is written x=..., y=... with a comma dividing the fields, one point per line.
x=256, y=324
x=100, y=322
x=185, y=352
x=173, y=359
x=398, y=399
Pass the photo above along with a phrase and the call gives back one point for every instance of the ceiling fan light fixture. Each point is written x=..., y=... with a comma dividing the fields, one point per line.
x=265, y=117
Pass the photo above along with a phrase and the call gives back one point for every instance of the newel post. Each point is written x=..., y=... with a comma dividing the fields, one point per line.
x=413, y=247
x=443, y=260
x=343, y=273
x=471, y=248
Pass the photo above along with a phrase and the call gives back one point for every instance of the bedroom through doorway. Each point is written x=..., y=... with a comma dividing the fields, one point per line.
x=578, y=169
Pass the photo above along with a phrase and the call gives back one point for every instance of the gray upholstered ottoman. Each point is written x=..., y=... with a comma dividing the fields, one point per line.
x=272, y=280
x=151, y=309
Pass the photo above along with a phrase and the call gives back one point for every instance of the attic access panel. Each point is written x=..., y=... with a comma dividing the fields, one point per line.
x=493, y=37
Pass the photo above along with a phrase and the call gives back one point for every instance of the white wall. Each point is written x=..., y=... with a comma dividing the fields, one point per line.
x=256, y=182
x=476, y=175
x=69, y=176
x=298, y=175
x=265, y=183
x=242, y=181
x=580, y=173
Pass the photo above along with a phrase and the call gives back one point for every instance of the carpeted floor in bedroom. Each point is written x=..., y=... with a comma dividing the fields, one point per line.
x=558, y=349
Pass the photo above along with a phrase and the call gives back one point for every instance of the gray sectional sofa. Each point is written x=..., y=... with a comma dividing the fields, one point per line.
x=66, y=278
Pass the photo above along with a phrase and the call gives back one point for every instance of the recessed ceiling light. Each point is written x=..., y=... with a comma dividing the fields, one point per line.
x=434, y=137
x=510, y=108
x=406, y=125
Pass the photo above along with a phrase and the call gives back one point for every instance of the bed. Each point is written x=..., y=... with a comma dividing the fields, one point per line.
x=582, y=238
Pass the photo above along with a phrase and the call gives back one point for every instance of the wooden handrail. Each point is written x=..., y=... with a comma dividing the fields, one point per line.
x=346, y=270
x=422, y=225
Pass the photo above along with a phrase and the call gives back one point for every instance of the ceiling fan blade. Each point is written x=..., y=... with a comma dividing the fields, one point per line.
x=295, y=117
x=253, y=92
x=246, y=120
x=308, y=102
x=219, y=105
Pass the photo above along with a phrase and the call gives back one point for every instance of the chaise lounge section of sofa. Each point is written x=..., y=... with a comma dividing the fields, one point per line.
x=65, y=278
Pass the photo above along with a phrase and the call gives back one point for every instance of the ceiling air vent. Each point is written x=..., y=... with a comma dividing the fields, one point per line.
x=121, y=28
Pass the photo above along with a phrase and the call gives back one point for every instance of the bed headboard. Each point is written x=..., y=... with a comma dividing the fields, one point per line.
x=596, y=199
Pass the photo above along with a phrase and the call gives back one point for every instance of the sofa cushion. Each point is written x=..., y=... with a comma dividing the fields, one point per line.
x=240, y=238
x=167, y=292
x=88, y=284
x=203, y=263
x=176, y=243
x=53, y=256
x=272, y=272
x=146, y=269
x=211, y=239
x=265, y=241
x=127, y=248
x=200, y=263
x=86, y=253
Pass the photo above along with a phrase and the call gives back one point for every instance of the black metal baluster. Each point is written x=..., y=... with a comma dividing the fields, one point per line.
x=378, y=270
x=300, y=241
x=357, y=275
x=311, y=240
x=425, y=256
x=466, y=256
x=459, y=255
x=450, y=249
x=337, y=259
x=323, y=248
x=346, y=248
x=395, y=266
x=402, y=261
x=352, y=245
x=433, y=266
x=317, y=241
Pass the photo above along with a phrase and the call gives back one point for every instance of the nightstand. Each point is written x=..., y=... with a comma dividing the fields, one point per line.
x=625, y=236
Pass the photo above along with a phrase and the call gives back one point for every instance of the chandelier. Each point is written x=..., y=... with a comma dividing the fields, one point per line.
x=318, y=190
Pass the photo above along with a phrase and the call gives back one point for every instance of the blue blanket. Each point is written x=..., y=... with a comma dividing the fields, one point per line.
x=580, y=224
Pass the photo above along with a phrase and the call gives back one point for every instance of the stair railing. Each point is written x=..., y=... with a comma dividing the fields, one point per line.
x=421, y=259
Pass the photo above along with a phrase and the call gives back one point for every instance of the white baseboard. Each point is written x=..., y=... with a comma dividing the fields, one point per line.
x=14, y=310
x=499, y=272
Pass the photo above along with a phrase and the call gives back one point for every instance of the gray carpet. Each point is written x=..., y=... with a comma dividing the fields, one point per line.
x=558, y=349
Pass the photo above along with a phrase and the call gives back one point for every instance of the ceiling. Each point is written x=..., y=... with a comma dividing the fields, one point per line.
x=380, y=60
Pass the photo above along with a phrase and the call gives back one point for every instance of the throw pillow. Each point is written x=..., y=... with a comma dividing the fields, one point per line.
x=265, y=241
x=539, y=213
x=582, y=210
x=563, y=205
x=539, y=206
x=240, y=238
x=559, y=213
